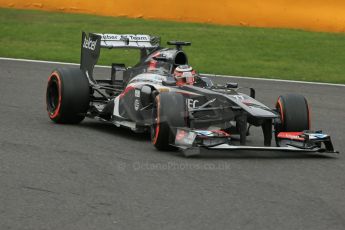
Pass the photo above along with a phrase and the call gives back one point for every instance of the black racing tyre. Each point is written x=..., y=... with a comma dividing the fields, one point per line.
x=67, y=96
x=294, y=113
x=169, y=111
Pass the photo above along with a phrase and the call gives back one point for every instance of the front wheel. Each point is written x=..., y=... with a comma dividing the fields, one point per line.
x=169, y=112
x=294, y=113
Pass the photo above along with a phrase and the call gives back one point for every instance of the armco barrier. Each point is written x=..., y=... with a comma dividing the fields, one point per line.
x=318, y=15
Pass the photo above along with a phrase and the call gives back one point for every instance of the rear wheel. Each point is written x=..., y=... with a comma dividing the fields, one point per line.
x=294, y=113
x=67, y=96
x=169, y=111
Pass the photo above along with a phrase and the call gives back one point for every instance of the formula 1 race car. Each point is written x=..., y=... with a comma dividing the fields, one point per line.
x=181, y=109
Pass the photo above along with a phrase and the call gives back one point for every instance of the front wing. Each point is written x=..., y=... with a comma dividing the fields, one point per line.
x=191, y=141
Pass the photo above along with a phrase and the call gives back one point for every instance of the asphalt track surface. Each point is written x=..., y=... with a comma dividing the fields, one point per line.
x=97, y=176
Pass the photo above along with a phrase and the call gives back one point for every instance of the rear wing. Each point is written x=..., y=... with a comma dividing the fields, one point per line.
x=129, y=41
x=93, y=42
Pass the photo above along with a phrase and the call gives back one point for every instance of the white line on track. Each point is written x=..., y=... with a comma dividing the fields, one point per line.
x=211, y=75
x=276, y=80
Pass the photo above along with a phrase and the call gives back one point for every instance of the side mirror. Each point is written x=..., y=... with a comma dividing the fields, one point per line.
x=207, y=81
x=231, y=85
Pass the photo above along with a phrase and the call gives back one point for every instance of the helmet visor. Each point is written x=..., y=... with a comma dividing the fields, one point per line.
x=189, y=77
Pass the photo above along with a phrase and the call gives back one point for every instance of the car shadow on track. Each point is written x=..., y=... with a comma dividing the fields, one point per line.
x=250, y=154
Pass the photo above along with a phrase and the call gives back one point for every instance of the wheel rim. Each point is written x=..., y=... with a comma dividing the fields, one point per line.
x=53, y=96
x=279, y=106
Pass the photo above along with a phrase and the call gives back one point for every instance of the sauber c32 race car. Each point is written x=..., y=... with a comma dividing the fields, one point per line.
x=181, y=109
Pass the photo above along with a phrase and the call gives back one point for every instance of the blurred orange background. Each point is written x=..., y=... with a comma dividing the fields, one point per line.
x=317, y=15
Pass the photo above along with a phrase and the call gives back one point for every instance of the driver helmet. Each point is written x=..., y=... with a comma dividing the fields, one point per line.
x=184, y=75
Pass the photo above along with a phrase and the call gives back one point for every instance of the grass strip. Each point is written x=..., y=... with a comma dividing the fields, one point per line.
x=242, y=51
